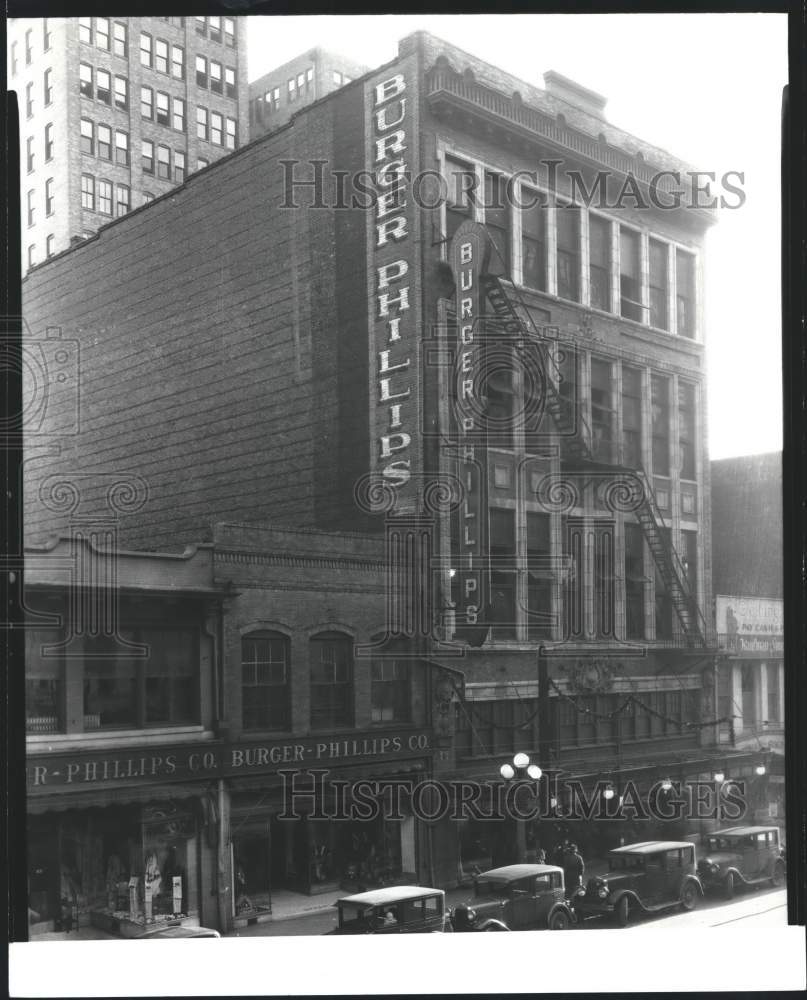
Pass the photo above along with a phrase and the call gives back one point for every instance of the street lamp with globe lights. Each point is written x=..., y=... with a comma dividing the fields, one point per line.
x=521, y=765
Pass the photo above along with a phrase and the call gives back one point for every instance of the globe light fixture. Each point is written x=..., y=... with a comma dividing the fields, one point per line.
x=760, y=769
x=553, y=802
x=521, y=760
x=534, y=772
x=666, y=785
x=720, y=777
x=608, y=793
x=507, y=771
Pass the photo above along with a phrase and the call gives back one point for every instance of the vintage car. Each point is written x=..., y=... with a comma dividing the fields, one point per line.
x=397, y=909
x=515, y=898
x=741, y=855
x=642, y=878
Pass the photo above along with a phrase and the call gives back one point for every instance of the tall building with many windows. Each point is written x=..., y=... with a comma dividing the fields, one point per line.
x=115, y=111
x=278, y=94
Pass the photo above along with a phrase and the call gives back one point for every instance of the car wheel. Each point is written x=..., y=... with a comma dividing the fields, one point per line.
x=559, y=921
x=689, y=897
x=623, y=911
x=728, y=886
x=778, y=874
x=494, y=927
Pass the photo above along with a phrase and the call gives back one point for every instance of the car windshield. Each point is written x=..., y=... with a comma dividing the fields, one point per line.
x=491, y=887
x=626, y=862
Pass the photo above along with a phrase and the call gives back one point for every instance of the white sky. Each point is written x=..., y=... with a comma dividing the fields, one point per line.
x=706, y=87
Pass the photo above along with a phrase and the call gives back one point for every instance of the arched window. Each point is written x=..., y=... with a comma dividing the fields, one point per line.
x=331, y=680
x=265, y=681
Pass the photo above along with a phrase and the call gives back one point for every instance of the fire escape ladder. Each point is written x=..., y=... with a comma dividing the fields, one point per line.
x=512, y=313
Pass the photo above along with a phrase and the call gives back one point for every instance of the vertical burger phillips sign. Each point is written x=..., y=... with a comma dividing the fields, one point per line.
x=394, y=299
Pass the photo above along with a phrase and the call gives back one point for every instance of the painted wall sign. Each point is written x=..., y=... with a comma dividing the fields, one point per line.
x=394, y=308
x=46, y=772
x=750, y=625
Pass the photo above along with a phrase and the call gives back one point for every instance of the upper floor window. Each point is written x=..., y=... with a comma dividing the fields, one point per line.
x=88, y=192
x=46, y=33
x=179, y=114
x=146, y=52
x=568, y=253
x=49, y=196
x=216, y=127
x=14, y=60
x=31, y=207
x=631, y=417
x=503, y=572
x=658, y=285
x=29, y=153
x=87, y=136
x=179, y=166
x=121, y=93
x=539, y=576
x=685, y=293
x=265, y=681
x=160, y=689
x=201, y=25
x=336, y=76
x=146, y=102
x=202, y=123
x=178, y=62
x=390, y=697
x=102, y=33
x=50, y=245
x=230, y=135
x=104, y=135
x=103, y=84
x=122, y=148
x=603, y=417
x=292, y=85
x=120, y=40
x=229, y=31
x=660, y=419
x=634, y=581
x=630, y=275
x=85, y=30
x=29, y=100
x=164, y=162
x=215, y=77
x=123, y=199
x=148, y=156
x=599, y=268
x=49, y=141
x=686, y=428
x=214, y=26
x=460, y=194
x=161, y=56
x=533, y=239
x=229, y=81
x=29, y=51
x=497, y=221
x=201, y=71
x=104, y=198
x=331, y=680
x=48, y=87
x=85, y=79
x=162, y=108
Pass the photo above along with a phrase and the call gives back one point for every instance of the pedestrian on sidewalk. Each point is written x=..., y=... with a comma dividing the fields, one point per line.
x=573, y=870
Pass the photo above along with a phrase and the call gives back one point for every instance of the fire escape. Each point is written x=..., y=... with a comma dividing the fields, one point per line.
x=514, y=318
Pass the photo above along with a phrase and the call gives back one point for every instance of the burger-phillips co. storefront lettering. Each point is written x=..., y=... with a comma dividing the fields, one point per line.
x=211, y=760
x=391, y=293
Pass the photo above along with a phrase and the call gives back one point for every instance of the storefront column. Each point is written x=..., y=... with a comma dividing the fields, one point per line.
x=781, y=669
x=762, y=693
x=224, y=867
x=737, y=697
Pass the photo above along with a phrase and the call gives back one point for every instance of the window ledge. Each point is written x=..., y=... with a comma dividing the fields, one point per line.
x=116, y=738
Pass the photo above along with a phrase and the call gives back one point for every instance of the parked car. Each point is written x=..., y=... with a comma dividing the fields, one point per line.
x=397, y=909
x=742, y=855
x=642, y=878
x=515, y=898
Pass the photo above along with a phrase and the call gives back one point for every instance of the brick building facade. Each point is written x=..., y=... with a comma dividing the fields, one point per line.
x=507, y=387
